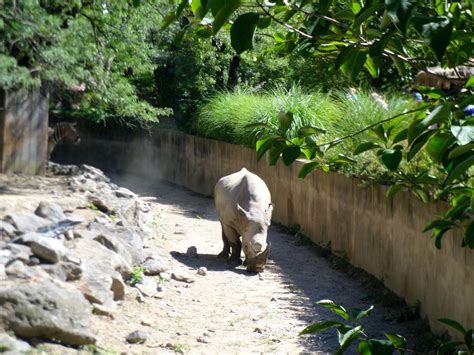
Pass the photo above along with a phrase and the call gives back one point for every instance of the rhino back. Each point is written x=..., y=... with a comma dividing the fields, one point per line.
x=242, y=187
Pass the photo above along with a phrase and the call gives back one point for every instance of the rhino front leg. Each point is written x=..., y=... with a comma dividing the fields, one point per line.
x=233, y=238
x=224, y=254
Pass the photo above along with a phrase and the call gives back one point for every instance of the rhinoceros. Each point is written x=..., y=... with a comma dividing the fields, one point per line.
x=244, y=207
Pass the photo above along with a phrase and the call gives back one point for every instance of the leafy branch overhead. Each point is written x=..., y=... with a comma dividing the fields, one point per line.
x=365, y=36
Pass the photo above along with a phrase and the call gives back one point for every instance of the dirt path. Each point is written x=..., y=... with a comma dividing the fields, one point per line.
x=229, y=310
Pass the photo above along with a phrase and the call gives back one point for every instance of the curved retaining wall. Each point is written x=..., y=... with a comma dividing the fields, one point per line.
x=382, y=236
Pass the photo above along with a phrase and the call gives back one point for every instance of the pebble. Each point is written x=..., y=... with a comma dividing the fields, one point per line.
x=202, y=340
x=192, y=252
x=137, y=337
x=178, y=276
x=202, y=271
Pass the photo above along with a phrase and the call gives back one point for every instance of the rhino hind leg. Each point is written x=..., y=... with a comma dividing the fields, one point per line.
x=224, y=254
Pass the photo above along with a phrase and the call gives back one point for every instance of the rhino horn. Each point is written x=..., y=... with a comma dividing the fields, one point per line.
x=264, y=255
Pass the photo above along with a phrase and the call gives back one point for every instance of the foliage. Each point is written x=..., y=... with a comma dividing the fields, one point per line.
x=360, y=36
x=137, y=275
x=90, y=54
x=352, y=331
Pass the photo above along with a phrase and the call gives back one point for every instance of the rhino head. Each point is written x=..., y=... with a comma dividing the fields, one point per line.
x=257, y=263
x=254, y=236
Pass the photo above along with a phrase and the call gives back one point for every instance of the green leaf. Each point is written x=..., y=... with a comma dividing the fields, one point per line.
x=354, y=64
x=222, y=10
x=468, y=338
x=421, y=193
x=453, y=324
x=447, y=348
x=258, y=125
x=377, y=48
x=438, y=234
x=438, y=145
x=464, y=134
x=319, y=327
x=290, y=154
x=265, y=144
x=391, y=158
x=264, y=22
x=371, y=67
x=136, y=3
x=399, y=11
x=440, y=114
x=458, y=151
x=402, y=135
x=309, y=130
x=394, y=189
x=397, y=340
x=364, y=313
x=381, y=347
x=459, y=168
x=307, y=168
x=418, y=143
x=363, y=147
x=345, y=339
x=364, y=348
x=242, y=31
x=469, y=235
x=436, y=33
x=343, y=56
x=197, y=9
x=285, y=119
x=470, y=82
x=204, y=31
x=335, y=308
x=342, y=158
x=438, y=223
x=380, y=132
x=400, y=65
x=274, y=153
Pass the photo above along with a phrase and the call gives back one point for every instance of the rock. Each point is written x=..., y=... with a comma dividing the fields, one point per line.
x=54, y=349
x=146, y=322
x=126, y=193
x=26, y=222
x=104, y=310
x=50, y=210
x=57, y=228
x=93, y=173
x=155, y=265
x=113, y=243
x=192, y=252
x=178, y=276
x=45, y=248
x=5, y=256
x=34, y=261
x=64, y=270
x=137, y=337
x=18, y=270
x=165, y=276
x=101, y=205
x=96, y=257
x=148, y=287
x=12, y=345
x=20, y=252
x=3, y=273
x=46, y=310
x=116, y=235
x=118, y=287
x=202, y=271
x=96, y=287
x=6, y=229
x=202, y=340
x=87, y=185
x=59, y=169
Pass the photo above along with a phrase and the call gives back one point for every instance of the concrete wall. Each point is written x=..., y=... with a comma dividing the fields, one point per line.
x=382, y=236
x=23, y=131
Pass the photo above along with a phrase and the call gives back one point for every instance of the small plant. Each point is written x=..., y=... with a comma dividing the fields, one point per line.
x=463, y=347
x=162, y=280
x=92, y=206
x=350, y=331
x=137, y=275
x=180, y=348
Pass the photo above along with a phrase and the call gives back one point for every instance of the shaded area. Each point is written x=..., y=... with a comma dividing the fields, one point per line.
x=305, y=276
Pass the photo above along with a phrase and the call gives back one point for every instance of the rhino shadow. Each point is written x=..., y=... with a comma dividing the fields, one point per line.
x=210, y=261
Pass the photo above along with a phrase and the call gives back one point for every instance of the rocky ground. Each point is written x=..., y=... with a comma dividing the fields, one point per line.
x=90, y=265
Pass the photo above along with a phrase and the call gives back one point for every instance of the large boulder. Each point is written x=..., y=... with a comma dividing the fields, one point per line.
x=46, y=310
x=50, y=210
x=46, y=248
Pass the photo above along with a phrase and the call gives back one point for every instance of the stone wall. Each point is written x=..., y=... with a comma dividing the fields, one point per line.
x=382, y=236
x=23, y=131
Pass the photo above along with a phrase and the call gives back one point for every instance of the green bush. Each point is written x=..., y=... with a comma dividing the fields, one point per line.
x=226, y=116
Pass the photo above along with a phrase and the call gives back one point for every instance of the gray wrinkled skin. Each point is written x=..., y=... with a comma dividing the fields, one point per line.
x=244, y=207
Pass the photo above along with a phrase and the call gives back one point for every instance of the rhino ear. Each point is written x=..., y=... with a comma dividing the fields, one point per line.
x=241, y=211
x=269, y=209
